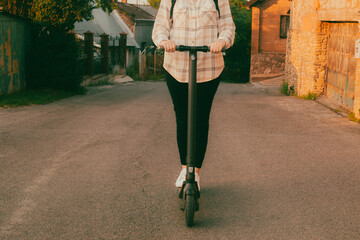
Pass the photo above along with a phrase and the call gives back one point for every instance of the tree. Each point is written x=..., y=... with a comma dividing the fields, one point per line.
x=55, y=13
x=16, y=7
x=53, y=59
x=154, y=3
x=238, y=56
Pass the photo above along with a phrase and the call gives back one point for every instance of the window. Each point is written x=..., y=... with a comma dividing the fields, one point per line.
x=284, y=25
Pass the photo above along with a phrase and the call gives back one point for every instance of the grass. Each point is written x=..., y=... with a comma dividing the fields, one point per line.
x=157, y=78
x=36, y=97
x=290, y=91
x=335, y=110
x=353, y=118
x=101, y=83
x=287, y=90
x=310, y=96
x=133, y=72
x=284, y=89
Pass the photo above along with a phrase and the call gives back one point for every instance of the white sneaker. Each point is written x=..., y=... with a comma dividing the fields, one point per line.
x=197, y=179
x=181, y=178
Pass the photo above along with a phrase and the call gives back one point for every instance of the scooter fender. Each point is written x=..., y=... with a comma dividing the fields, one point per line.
x=189, y=189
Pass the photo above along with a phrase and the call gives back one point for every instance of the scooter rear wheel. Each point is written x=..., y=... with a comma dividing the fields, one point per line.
x=190, y=205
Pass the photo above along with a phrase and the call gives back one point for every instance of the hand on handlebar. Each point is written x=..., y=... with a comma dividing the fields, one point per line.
x=217, y=46
x=168, y=45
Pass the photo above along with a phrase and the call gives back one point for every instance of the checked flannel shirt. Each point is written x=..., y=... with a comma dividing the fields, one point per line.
x=194, y=23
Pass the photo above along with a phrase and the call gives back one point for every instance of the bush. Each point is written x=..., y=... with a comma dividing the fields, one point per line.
x=310, y=96
x=353, y=118
x=284, y=89
x=54, y=60
x=237, y=59
x=133, y=72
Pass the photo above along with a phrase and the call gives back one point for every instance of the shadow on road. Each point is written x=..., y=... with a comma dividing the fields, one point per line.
x=224, y=206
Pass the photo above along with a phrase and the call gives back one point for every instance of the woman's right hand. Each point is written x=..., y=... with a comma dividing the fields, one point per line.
x=168, y=45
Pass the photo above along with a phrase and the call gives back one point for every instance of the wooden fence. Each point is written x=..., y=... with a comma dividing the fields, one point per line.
x=150, y=63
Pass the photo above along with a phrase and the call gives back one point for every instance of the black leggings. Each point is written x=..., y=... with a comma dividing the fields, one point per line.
x=205, y=95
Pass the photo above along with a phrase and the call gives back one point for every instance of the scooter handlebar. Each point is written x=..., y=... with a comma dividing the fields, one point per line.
x=182, y=48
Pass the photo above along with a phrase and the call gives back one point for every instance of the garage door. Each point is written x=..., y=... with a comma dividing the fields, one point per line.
x=341, y=67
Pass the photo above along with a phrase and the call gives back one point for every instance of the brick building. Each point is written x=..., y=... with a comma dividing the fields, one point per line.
x=270, y=22
x=321, y=50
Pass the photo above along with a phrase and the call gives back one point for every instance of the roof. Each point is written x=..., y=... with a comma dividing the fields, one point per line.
x=252, y=2
x=5, y=13
x=103, y=22
x=149, y=9
x=135, y=11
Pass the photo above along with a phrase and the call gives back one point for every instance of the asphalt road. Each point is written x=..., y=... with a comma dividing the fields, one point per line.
x=103, y=166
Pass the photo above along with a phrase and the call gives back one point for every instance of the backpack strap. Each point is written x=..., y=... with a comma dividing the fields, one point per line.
x=217, y=7
x=172, y=8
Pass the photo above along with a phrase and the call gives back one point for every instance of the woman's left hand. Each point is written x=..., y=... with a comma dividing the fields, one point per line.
x=217, y=46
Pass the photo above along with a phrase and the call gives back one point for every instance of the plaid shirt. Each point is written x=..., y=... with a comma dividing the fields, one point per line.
x=194, y=23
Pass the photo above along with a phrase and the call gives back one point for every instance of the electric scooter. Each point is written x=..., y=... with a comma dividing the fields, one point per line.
x=189, y=192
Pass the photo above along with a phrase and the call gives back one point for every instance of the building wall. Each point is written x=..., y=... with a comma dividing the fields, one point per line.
x=255, y=24
x=306, y=60
x=14, y=39
x=270, y=12
x=267, y=48
x=143, y=33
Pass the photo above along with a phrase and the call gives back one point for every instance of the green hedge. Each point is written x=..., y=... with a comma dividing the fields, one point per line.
x=54, y=60
x=237, y=59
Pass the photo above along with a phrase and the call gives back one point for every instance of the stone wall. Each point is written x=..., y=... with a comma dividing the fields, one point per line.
x=300, y=69
x=267, y=63
x=306, y=59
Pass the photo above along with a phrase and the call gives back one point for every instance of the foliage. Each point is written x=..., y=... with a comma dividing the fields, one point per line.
x=310, y=96
x=54, y=61
x=36, y=96
x=284, y=89
x=353, y=118
x=55, y=13
x=159, y=77
x=237, y=59
x=54, y=53
x=133, y=71
x=154, y=3
x=17, y=7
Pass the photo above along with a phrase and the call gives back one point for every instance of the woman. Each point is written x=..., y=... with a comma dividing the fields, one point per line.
x=193, y=23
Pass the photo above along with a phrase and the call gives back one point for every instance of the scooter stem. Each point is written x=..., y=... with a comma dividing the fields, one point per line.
x=191, y=128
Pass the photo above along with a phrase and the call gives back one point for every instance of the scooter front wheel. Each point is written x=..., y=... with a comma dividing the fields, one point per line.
x=190, y=205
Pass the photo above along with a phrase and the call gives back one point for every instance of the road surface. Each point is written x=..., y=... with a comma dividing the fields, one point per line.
x=104, y=165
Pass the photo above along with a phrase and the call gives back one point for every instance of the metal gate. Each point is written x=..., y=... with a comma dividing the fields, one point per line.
x=341, y=63
x=14, y=39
